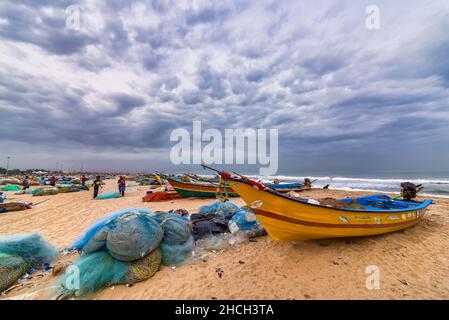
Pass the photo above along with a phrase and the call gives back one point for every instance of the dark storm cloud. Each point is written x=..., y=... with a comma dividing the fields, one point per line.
x=140, y=69
x=126, y=102
x=28, y=23
x=206, y=15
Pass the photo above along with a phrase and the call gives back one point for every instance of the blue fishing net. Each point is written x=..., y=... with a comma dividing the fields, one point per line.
x=109, y=195
x=175, y=254
x=31, y=191
x=11, y=187
x=19, y=254
x=64, y=188
x=98, y=240
x=177, y=243
x=81, y=243
x=224, y=209
x=11, y=269
x=47, y=191
x=98, y=270
x=133, y=236
x=177, y=229
x=30, y=247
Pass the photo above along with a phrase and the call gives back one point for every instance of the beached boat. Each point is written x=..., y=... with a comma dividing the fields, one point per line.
x=209, y=190
x=286, y=187
x=289, y=219
x=201, y=190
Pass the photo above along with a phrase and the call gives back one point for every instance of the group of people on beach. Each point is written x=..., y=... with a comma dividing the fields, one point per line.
x=97, y=183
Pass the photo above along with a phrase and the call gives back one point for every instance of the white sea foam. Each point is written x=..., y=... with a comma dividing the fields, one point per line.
x=433, y=187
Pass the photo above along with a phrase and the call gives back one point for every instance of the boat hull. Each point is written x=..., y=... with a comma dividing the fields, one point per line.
x=187, y=190
x=287, y=219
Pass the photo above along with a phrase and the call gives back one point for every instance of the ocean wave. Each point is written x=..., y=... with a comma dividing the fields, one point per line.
x=368, y=180
x=432, y=187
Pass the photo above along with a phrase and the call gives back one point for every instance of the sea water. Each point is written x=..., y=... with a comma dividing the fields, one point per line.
x=435, y=184
x=391, y=183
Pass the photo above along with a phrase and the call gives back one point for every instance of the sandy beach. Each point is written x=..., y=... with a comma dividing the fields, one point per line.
x=413, y=264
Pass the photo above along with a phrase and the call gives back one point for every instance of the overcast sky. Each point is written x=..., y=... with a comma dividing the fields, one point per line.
x=343, y=97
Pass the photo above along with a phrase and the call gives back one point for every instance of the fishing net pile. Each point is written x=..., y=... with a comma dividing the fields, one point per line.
x=222, y=224
x=65, y=188
x=178, y=243
x=11, y=187
x=130, y=246
x=10, y=181
x=19, y=254
x=123, y=248
x=159, y=196
x=213, y=219
x=220, y=208
x=108, y=195
x=46, y=191
x=14, y=206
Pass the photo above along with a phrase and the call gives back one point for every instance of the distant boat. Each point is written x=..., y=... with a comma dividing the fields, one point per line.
x=289, y=219
x=286, y=187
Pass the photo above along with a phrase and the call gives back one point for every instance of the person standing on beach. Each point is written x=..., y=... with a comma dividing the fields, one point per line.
x=53, y=181
x=83, y=180
x=26, y=183
x=97, y=186
x=121, y=185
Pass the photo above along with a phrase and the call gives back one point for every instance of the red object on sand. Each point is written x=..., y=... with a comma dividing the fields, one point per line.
x=160, y=196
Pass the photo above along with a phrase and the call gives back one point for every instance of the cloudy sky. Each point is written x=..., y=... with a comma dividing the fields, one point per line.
x=344, y=98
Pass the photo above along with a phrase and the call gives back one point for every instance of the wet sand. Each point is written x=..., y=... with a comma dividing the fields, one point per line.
x=413, y=263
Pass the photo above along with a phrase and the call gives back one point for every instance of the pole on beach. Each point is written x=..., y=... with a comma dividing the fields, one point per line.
x=7, y=164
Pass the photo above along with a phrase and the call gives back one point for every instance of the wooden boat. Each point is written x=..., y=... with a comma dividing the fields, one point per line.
x=289, y=219
x=189, y=189
x=286, y=187
x=209, y=190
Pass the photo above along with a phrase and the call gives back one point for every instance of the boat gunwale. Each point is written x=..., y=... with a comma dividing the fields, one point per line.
x=192, y=187
x=423, y=204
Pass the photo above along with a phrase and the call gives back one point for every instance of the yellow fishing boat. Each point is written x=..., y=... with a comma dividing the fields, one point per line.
x=289, y=219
